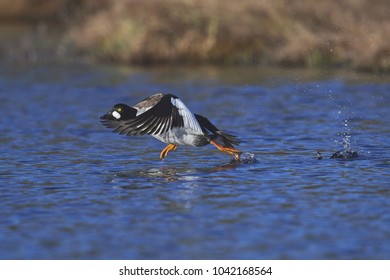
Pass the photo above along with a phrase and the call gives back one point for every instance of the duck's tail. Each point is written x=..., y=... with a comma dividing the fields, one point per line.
x=220, y=139
x=227, y=139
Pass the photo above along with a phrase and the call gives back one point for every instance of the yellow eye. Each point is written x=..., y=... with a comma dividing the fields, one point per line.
x=119, y=109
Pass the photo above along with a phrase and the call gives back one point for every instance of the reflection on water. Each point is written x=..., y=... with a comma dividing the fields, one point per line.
x=70, y=189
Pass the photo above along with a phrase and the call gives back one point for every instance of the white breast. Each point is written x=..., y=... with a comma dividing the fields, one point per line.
x=179, y=136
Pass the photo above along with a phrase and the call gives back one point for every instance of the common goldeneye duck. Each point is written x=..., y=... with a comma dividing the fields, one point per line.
x=345, y=154
x=166, y=118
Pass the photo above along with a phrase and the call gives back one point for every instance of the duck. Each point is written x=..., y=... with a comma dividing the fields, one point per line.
x=345, y=154
x=166, y=118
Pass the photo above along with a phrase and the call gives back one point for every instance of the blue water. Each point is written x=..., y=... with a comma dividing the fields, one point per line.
x=71, y=189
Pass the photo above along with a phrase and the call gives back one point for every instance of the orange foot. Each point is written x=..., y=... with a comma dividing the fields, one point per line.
x=167, y=149
x=231, y=151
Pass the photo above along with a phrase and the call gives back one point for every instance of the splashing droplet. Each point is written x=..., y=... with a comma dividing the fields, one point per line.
x=247, y=158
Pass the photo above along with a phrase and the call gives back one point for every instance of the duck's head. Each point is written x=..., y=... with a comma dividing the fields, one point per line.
x=120, y=112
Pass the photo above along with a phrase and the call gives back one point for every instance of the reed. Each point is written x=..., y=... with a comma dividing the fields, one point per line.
x=336, y=33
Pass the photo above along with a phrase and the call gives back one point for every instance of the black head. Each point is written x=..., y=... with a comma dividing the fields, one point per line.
x=120, y=112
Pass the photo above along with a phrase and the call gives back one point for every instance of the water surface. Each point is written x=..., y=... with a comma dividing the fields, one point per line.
x=71, y=189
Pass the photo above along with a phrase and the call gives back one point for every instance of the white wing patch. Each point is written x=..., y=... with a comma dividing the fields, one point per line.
x=188, y=118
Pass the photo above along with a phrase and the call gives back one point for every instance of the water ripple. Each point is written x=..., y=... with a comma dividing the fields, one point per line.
x=70, y=189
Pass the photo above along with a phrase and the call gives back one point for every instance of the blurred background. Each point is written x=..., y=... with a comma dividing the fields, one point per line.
x=351, y=34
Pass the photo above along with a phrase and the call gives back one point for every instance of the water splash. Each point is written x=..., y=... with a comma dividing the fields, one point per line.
x=347, y=151
x=246, y=158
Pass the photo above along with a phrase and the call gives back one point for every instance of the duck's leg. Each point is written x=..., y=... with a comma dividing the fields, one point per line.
x=167, y=149
x=231, y=151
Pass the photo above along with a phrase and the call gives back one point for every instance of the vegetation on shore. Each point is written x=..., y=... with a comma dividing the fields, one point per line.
x=340, y=33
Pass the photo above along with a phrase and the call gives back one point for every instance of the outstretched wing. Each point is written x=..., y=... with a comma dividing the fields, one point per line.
x=168, y=113
x=158, y=119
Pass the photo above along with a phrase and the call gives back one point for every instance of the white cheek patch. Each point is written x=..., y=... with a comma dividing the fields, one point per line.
x=116, y=115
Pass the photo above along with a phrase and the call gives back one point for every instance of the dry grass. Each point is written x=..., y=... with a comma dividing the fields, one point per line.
x=350, y=33
x=179, y=31
x=345, y=33
x=28, y=10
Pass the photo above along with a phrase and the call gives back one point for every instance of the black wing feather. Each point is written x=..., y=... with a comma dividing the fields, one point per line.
x=161, y=118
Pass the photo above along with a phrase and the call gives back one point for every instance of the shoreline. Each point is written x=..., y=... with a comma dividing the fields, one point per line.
x=196, y=33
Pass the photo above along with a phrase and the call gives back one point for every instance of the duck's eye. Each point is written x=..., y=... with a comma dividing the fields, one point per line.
x=119, y=109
